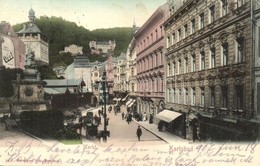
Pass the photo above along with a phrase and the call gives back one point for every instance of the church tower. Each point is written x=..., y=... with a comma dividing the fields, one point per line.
x=35, y=40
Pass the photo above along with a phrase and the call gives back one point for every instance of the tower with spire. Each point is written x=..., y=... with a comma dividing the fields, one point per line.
x=35, y=40
x=135, y=28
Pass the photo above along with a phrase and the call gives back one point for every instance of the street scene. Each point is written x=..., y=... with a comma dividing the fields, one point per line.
x=176, y=79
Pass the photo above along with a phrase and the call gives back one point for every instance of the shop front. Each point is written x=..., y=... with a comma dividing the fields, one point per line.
x=174, y=122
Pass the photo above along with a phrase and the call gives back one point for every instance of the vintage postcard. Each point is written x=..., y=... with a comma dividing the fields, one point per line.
x=129, y=83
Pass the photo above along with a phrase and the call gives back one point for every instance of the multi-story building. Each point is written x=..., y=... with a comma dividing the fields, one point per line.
x=149, y=48
x=102, y=47
x=209, y=70
x=120, y=76
x=131, y=81
x=73, y=49
x=35, y=40
x=12, y=49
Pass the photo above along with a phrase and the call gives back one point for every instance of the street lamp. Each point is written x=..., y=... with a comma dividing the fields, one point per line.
x=103, y=82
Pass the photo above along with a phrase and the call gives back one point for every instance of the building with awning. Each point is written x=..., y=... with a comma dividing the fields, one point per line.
x=173, y=121
x=63, y=92
x=167, y=115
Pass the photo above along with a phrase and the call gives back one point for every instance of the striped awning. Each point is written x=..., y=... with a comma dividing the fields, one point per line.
x=129, y=101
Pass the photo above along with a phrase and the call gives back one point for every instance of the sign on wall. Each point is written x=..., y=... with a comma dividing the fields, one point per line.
x=8, y=53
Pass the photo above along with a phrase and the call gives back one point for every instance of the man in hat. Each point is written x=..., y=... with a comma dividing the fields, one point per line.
x=139, y=132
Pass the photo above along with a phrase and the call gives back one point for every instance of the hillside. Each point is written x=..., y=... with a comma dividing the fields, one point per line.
x=62, y=33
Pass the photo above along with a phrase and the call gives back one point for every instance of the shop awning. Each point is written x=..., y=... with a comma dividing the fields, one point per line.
x=124, y=99
x=131, y=103
x=167, y=115
x=128, y=102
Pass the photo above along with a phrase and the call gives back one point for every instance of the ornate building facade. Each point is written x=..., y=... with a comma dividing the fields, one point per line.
x=149, y=47
x=209, y=69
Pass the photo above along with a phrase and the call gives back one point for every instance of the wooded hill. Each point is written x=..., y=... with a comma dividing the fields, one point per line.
x=62, y=33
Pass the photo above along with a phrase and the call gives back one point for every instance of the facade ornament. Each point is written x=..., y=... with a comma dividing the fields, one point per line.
x=238, y=30
x=192, y=49
x=211, y=75
x=238, y=81
x=222, y=73
x=223, y=82
x=238, y=73
x=201, y=75
x=223, y=37
x=201, y=84
x=201, y=46
x=211, y=42
x=211, y=83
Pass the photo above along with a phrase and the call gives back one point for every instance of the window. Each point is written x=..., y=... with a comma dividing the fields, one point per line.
x=156, y=34
x=192, y=26
x=168, y=42
x=173, y=68
x=193, y=96
x=212, y=96
x=202, y=96
x=186, y=96
x=151, y=38
x=169, y=95
x=224, y=54
x=173, y=97
x=169, y=69
x=224, y=96
x=185, y=31
x=193, y=62
x=240, y=3
x=240, y=50
x=201, y=17
x=173, y=38
x=177, y=96
x=224, y=7
x=212, y=13
x=212, y=57
x=179, y=66
x=202, y=60
x=179, y=33
x=239, y=97
x=185, y=65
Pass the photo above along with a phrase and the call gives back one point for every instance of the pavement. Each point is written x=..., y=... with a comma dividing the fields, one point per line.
x=164, y=134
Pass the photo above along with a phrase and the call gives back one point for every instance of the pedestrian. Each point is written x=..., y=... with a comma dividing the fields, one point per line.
x=107, y=121
x=99, y=112
x=139, y=132
x=144, y=117
x=123, y=115
x=151, y=119
x=160, y=125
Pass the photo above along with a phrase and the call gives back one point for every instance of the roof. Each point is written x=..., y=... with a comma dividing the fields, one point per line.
x=55, y=90
x=30, y=28
x=63, y=82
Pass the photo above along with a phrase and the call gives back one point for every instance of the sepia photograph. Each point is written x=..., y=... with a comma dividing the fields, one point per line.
x=129, y=83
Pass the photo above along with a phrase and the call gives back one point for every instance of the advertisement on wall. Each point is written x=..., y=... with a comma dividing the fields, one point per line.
x=8, y=53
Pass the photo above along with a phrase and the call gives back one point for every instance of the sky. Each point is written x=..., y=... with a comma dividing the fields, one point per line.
x=91, y=14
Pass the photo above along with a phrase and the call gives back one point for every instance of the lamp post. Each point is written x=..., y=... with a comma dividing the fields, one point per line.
x=103, y=82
